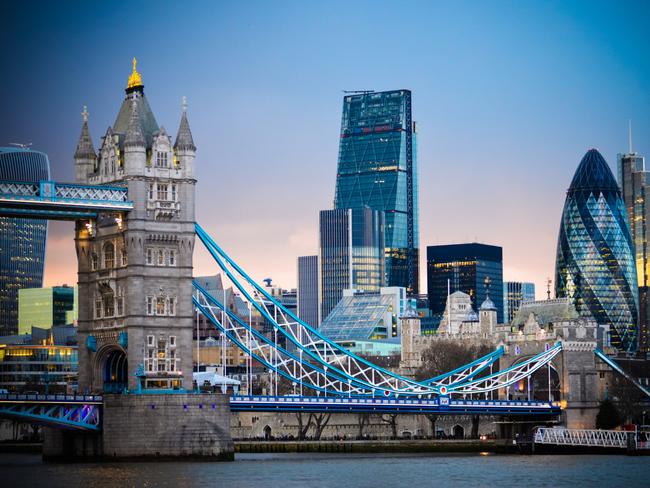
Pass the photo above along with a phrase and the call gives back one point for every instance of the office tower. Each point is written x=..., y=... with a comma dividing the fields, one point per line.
x=514, y=294
x=633, y=180
x=22, y=241
x=351, y=254
x=308, y=289
x=377, y=168
x=595, y=254
x=473, y=268
x=45, y=307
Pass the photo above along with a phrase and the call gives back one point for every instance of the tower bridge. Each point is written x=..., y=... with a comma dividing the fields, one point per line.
x=134, y=207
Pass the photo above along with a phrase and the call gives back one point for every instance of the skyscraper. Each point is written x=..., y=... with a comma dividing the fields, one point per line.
x=471, y=268
x=377, y=168
x=633, y=180
x=22, y=241
x=44, y=307
x=514, y=294
x=308, y=289
x=351, y=254
x=595, y=254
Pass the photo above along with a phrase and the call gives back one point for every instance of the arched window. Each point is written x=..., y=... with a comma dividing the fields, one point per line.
x=109, y=255
x=109, y=304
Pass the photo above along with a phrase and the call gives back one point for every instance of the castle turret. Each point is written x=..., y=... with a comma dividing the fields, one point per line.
x=411, y=357
x=135, y=145
x=84, y=156
x=184, y=148
x=488, y=317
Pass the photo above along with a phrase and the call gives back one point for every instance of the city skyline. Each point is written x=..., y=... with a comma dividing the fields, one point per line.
x=477, y=123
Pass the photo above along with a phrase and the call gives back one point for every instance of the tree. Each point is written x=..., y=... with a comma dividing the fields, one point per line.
x=475, y=423
x=303, y=427
x=432, y=418
x=391, y=419
x=443, y=356
x=363, y=419
x=608, y=416
x=320, y=422
x=627, y=398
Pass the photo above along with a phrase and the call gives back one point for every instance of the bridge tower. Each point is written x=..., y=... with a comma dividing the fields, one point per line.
x=135, y=269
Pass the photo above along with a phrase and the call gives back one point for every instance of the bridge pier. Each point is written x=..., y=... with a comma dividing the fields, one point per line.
x=141, y=427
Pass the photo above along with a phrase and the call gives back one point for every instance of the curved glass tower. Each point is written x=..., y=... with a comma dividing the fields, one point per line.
x=22, y=241
x=595, y=256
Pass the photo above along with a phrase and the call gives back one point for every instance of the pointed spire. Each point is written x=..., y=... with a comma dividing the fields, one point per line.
x=134, y=135
x=85, y=148
x=184, y=140
x=629, y=136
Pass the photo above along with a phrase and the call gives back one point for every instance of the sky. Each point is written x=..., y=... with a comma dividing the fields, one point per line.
x=507, y=95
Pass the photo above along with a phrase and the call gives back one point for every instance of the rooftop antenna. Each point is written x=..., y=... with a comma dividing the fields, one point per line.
x=629, y=135
x=548, y=288
x=20, y=145
x=359, y=91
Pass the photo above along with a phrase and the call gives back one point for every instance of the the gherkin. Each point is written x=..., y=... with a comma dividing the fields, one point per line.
x=595, y=255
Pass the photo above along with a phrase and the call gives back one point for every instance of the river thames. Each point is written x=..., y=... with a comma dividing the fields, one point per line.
x=337, y=470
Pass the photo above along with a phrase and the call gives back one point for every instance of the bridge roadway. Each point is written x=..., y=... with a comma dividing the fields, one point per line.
x=83, y=412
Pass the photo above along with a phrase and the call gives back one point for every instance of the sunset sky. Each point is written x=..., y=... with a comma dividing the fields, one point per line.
x=508, y=96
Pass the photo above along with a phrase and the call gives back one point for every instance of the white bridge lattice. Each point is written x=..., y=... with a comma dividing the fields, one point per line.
x=586, y=438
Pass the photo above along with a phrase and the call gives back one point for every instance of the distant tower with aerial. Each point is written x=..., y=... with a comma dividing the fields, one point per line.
x=135, y=269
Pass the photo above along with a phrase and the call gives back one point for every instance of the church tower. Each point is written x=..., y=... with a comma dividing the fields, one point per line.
x=135, y=268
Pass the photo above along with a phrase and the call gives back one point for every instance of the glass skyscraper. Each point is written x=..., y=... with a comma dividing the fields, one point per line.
x=514, y=294
x=595, y=254
x=45, y=307
x=377, y=167
x=22, y=241
x=351, y=254
x=471, y=268
x=308, y=289
x=634, y=182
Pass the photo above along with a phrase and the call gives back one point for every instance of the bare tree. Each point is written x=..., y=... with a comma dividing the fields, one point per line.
x=363, y=419
x=391, y=419
x=432, y=418
x=320, y=422
x=627, y=397
x=303, y=427
x=443, y=356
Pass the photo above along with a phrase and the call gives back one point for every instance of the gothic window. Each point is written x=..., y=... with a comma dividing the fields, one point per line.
x=149, y=256
x=150, y=340
x=94, y=261
x=109, y=304
x=171, y=306
x=174, y=193
x=149, y=305
x=151, y=192
x=123, y=260
x=160, y=305
x=162, y=191
x=109, y=255
x=172, y=341
x=98, y=308
x=161, y=159
x=161, y=257
x=172, y=257
x=120, y=306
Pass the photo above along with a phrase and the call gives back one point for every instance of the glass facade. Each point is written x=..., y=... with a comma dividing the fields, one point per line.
x=377, y=167
x=633, y=180
x=45, y=369
x=514, y=294
x=308, y=289
x=465, y=267
x=595, y=254
x=45, y=307
x=22, y=241
x=351, y=254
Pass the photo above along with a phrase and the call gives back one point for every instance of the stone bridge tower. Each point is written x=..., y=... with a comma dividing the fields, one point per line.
x=135, y=269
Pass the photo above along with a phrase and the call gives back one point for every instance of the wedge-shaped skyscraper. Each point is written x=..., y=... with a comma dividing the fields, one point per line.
x=595, y=255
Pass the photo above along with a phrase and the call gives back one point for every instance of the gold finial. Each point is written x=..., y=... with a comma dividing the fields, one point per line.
x=135, y=79
x=84, y=114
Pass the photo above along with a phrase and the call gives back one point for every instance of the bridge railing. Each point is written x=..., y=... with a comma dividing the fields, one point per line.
x=582, y=437
x=38, y=398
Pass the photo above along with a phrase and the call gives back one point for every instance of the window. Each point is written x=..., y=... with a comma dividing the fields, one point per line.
x=161, y=159
x=149, y=255
x=109, y=255
x=171, y=308
x=120, y=306
x=150, y=342
x=160, y=306
x=173, y=193
x=123, y=260
x=150, y=191
x=149, y=305
x=161, y=257
x=162, y=191
x=172, y=343
x=172, y=257
x=94, y=262
x=98, y=308
x=109, y=305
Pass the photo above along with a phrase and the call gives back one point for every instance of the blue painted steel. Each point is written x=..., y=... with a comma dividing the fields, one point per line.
x=493, y=357
x=91, y=343
x=78, y=412
x=251, y=403
x=616, y=367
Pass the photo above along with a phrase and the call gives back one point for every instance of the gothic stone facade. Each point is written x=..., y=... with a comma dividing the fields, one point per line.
x=135, y=269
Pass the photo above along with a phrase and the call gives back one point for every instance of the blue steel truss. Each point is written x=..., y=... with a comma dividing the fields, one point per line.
x=60, y=201
x=326, y=367
x=78, y=412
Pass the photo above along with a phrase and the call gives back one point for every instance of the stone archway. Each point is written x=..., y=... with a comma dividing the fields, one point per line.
x=458, y=432
x=111, y=370
x=267, y=433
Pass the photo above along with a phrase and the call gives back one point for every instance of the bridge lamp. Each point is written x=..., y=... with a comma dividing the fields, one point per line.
x=89, y=228
x=119, y=221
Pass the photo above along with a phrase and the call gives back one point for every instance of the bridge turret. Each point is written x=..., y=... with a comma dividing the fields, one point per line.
x=84, y=156
x=135, y=145
x=184, y=148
